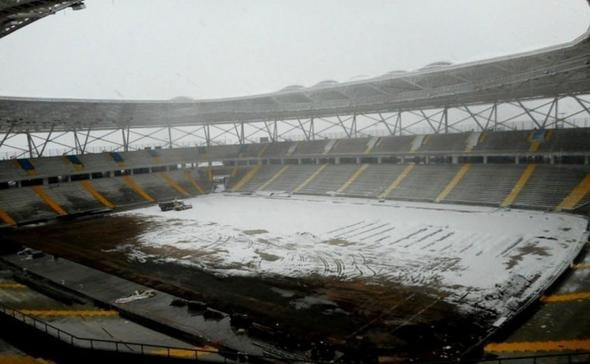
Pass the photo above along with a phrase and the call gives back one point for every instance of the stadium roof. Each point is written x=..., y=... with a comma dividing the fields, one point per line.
x=549, y=72
x=15, y=14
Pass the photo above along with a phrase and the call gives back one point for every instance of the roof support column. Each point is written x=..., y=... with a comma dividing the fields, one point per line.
x=125, y=137
x=6, y=135
x=495, y=116
x=47, y=140
x=556, y=115
x=207, y=135
x=31, y=144
x=83, y=149
x=77, y=145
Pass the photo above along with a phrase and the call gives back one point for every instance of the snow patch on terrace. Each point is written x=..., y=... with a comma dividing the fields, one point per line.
x=479, y=256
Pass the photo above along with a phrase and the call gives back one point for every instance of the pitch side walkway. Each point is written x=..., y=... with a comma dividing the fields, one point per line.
x=156, y=310
x=83, y=326
x=561, y=323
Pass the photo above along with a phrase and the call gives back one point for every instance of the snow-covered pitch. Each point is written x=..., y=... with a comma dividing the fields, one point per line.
x=477, y=257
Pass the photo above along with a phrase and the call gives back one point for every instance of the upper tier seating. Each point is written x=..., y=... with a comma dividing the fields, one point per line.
x=350, y=146
x=444, y=143
x=10, y=169
x=504, y=141
x=251, y=150
x=55, y=166
x=276, y=150
x=218, y=152
x=175, y=156
x=311, y=147
x=567, y=140
x=394, y=144
x=98, y=162
x=140, y=158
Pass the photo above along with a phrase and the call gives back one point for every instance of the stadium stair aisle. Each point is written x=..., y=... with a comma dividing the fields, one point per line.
x=560, y=324
x=370, y=145
x=576, y=195
x=564, y=297
x=273, y=178
x=44, y=196
x=87, y=322
x=454, y=182
x=353, y=178
x=291, y=178
x=21, y=359
x=310, y=179
x=374, y=180
x=262, y=150
x=75, y=162
x=189, y=177
x=247, y=178
x=172, y=183
x=397, y=181
x=538, y=346
x=70, y=313
x=8, y=220
x=137, y=188
x=522, y=181
x=88, y=186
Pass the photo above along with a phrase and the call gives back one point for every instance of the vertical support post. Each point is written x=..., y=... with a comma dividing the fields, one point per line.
x=170, y=144
x=77, y=145
x=83, y=149
x=446, y=119
x=207, y=135
x=125, y=137
x=557, y=113
x=242, y=136
x=353, y=127
x=495, y=116
x=30, y=143
x=312, y=128
x=47, y=140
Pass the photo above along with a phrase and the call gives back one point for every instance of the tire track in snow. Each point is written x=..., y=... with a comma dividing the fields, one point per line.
x=344, y=227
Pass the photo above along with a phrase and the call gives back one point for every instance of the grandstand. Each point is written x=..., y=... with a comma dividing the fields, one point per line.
x=493, y=173
x=314, y=237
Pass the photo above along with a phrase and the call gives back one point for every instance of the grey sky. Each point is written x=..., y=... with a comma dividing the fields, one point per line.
x=158, y=49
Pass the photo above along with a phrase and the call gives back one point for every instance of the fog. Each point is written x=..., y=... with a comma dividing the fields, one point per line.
x=159, y=49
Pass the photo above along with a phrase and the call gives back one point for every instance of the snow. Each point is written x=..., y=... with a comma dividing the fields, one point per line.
x=477, y=257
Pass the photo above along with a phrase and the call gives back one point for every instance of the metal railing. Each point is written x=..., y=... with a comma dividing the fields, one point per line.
x=557, y=358
x=123, y=347
x=197, y=354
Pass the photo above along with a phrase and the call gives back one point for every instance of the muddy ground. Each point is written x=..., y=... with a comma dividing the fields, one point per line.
x=375, y=318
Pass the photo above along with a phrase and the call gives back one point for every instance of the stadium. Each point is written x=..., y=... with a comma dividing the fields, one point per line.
x=435, y=215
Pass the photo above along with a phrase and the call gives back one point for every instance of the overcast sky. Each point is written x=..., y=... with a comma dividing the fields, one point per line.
x=159, y=49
